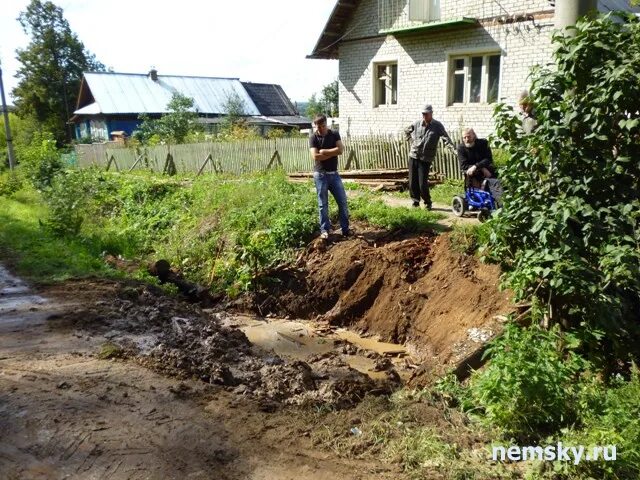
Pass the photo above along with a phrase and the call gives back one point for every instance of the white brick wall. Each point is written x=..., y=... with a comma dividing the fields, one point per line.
x=423, y=65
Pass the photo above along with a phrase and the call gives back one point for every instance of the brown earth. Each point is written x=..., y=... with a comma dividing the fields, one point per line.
x=67, y=412
x=114, y=379
x=407, y=289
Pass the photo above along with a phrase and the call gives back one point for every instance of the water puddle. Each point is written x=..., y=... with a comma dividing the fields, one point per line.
x=300, y=340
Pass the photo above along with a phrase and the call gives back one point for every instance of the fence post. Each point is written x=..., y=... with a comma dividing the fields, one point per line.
x=207, y=160
x=169, y=166
x=276, y=157
x=352, y=156
x=111, y=160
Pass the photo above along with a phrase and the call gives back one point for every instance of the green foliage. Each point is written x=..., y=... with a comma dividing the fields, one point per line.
x=613, y=419
x=570, y=227
x=40, y=161
x=22, y=131
x=444, y=192
x=530, y=386
x=10, y=183
x=35, y=252
x=51, y=68
x=468, y=238
x=374, y=211
x=173, y=127
x=234, y=125
x=327, y=104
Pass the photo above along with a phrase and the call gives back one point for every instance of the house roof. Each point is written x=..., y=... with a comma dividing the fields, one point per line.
x=327, y=45
x=270, y=99
x=133, y=93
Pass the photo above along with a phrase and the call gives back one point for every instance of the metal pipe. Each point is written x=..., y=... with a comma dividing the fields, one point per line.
x=569, y=11
x=7, y=127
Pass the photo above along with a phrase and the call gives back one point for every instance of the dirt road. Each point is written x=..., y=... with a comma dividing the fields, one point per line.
x=66, y=413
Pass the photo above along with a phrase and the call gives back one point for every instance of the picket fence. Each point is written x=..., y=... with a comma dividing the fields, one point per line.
x=373, y=152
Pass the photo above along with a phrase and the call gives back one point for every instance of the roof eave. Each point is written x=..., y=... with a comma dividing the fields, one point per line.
x=342, y=8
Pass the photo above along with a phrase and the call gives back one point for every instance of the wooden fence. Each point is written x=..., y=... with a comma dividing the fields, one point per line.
x=374, y=152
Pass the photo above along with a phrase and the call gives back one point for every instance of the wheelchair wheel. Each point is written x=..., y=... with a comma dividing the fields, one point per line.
x=483, y=215
x=458, y=206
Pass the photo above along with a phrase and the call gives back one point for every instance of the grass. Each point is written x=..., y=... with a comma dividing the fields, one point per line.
x=34, y=252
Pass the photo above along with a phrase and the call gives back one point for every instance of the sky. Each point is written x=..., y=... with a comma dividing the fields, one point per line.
x=253, y=40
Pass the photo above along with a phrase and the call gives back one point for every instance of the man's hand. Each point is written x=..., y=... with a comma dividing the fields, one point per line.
x=471, y=170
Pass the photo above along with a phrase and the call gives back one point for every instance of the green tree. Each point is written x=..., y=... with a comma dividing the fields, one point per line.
x=51, y=68
x=327, y=104
x=173, y=127
x=569, y=232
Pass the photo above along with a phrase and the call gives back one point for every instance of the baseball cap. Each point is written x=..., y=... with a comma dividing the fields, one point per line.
x=427, y=109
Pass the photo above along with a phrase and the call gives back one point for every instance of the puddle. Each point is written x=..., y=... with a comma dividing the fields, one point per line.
x=300, y=340
x=15, y=295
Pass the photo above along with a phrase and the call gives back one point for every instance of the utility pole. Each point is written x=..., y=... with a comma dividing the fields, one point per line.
x=7, y=127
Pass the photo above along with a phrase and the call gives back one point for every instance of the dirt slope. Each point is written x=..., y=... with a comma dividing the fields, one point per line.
x=412, y=289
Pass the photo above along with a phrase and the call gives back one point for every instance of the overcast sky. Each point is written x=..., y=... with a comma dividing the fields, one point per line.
x=254, y=40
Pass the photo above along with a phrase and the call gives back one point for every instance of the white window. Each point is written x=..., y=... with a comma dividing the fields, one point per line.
x=424, y=10
x=385, y=84
x=474, y=78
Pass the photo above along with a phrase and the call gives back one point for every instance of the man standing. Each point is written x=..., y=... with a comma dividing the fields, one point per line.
x=475, y=157
x=325, y=145
x=424, y=136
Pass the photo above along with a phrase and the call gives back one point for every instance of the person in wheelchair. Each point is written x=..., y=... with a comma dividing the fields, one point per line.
x=476, y=159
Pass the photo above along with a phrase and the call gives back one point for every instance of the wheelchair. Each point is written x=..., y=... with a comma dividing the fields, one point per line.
x=481, y=201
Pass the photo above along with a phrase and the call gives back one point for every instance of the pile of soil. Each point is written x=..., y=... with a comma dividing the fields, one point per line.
x=181, y=339
x=414, y=290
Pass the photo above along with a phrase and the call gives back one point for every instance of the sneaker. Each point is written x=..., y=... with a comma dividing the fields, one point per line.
x=428, y=206
x=346, y=233
x=324, y=235
x=416, y=204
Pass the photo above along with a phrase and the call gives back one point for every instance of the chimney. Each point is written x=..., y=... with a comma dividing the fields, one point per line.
x=153, y=74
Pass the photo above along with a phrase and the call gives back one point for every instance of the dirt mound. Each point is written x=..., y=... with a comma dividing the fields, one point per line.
x=414, y=290
x=181, y=339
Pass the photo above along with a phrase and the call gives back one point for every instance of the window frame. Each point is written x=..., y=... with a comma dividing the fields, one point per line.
x=466, y=56
x=375, y=86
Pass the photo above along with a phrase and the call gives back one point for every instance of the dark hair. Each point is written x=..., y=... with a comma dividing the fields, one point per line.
x=320, y=118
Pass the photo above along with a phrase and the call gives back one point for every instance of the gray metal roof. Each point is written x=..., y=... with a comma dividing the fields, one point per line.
x=133, y=93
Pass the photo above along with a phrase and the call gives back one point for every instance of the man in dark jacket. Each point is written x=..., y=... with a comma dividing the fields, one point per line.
x=475, y=158
x=424, y=136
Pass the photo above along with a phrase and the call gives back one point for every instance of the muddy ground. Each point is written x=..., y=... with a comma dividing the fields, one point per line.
x=114, y=379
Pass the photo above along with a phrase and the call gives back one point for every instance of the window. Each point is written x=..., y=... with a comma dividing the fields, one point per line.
x=474, y=78
x=385, y=84
x=424, y=10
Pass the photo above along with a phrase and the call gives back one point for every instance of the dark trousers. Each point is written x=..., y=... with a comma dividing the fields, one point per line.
x=419, y=180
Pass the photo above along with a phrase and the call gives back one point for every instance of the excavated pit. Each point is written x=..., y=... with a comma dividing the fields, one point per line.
x=410, y=290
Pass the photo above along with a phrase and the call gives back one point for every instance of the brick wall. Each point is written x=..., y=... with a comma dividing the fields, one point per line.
x=423, y=65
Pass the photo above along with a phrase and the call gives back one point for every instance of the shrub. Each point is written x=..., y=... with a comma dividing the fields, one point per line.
x=568, y=232
x=40, y=160
x=530, y=385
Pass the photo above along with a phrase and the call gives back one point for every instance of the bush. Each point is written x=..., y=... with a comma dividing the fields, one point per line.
x=10, y=183
x=530, y=386
x=40, y=160
x=568, y=232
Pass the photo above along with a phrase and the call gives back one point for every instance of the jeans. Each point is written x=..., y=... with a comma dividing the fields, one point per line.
x=331, y=182
x=419, y=180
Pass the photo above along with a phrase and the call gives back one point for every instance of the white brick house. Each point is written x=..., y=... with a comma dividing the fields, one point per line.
x=461, y=56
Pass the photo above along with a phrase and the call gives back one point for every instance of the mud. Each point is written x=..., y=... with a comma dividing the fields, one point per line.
x=411, y=290
x=67, y=413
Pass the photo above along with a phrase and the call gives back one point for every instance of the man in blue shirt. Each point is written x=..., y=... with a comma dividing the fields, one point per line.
x=325, y=145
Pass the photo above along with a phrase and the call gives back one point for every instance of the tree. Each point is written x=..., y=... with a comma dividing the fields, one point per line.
x=173, y=127
x=327, y=104
x=52, y=67
x=569, y=231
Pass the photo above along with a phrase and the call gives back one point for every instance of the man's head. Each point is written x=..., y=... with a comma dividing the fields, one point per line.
x=320, y=121
x=525, y=102
x=427, y=113
x=469, y=137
